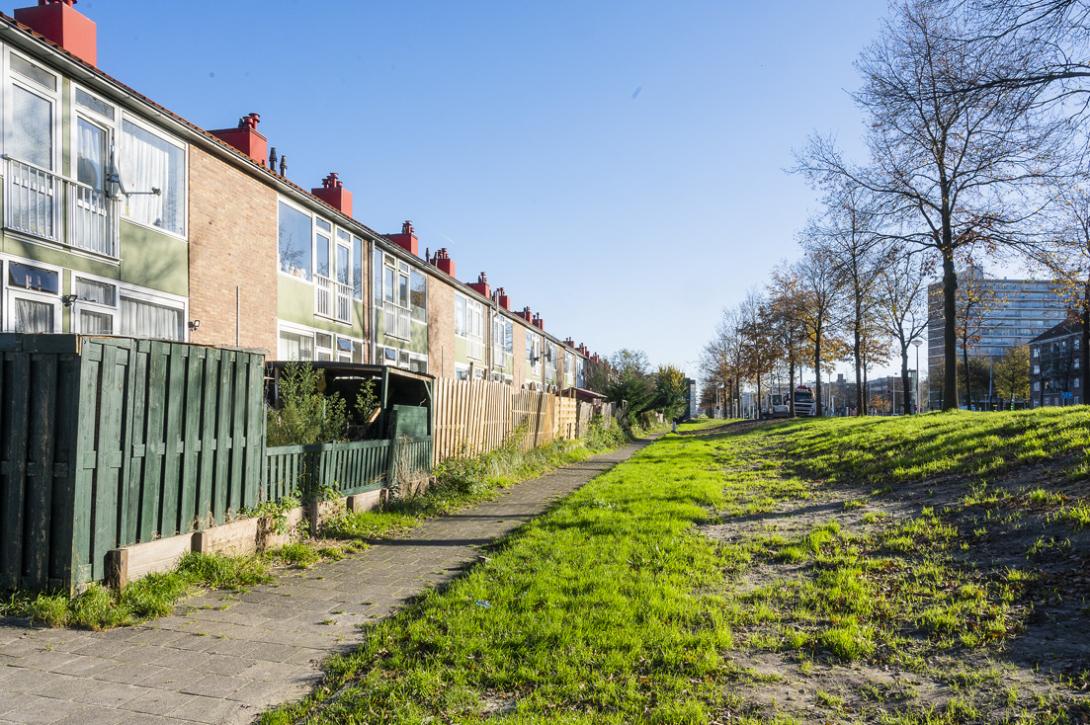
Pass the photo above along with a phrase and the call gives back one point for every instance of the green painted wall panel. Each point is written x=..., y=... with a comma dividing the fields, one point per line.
x=154, y=259
x=295, y=303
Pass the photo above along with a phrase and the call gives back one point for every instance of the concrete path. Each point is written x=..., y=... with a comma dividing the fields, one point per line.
x=226, y=658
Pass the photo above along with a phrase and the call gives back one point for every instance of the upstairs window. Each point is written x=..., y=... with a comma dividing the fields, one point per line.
x=418, y=295
x=469, y=324
x=294, y=242
x=153, y=173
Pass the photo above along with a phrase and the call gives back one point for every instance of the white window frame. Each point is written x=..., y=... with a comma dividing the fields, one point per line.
x=54, y=97
x=313, y=262
x=163, y=299
x=399, y=310
x=10, y=293
x=80, y=304
x=471, y=325
x=182, y=145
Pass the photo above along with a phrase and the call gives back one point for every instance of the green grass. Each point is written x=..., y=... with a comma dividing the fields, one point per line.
x=592, y=613
x=155, y=595
x=702, y=424
x=462, y=482
x=615, y=608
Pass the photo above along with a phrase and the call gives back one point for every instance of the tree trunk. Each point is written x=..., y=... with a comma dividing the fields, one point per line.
x=949, y=330
x=791, y=384
x=1084, y=347
x=906, y=409
x=817, y=375
x=965, y=366
x=860, y=402
x=759, y=395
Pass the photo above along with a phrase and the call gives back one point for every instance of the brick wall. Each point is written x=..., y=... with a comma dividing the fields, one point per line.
x=440, y=328
x=232, y=242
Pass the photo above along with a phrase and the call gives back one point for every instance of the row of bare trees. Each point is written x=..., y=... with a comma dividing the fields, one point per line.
x=975, y=118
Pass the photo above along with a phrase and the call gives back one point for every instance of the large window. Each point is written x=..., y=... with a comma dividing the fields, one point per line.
x=294, y=242
x=392, y=298
x=469, y=325
x=503, y=340
x=418, y=295
x=153, y=173
x=533, y=354
x=151, y=319
x=32, y=301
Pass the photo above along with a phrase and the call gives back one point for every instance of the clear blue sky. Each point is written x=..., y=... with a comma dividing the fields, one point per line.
x=617, y=166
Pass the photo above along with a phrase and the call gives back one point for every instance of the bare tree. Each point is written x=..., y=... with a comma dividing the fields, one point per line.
x=847, y=234
x=953, y=160
x=1047, y=43
x=820, y=288
x=758, y=339
x=785, y=300
x=902, y=309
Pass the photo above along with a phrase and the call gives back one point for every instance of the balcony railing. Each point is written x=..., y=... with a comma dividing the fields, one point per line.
x=332, y=299
x=46, y=205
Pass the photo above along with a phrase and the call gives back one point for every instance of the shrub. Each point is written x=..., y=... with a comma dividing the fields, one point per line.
x=306, y=415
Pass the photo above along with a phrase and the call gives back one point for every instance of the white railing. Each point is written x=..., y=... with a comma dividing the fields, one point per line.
x=323, y=296
x=396, y=321
x=344, y=302
x=36, y=201
x=332, y=299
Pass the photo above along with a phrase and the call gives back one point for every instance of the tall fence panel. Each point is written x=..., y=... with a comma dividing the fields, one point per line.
x=39, y=393
x=108, y=442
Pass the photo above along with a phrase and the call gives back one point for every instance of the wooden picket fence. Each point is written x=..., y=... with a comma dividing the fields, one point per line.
x=472, y=417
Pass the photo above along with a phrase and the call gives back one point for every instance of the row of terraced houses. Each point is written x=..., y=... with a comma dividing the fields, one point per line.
x=121, y=217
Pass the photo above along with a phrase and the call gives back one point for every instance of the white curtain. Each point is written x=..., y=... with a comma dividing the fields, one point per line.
x=147, y=319
x=92, y=155
x=149, y=162
x=95, y=323
x=33, y=316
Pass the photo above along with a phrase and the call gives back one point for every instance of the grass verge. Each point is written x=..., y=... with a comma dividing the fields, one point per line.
x=902, y=571
x=153, y=596
x=462, y=482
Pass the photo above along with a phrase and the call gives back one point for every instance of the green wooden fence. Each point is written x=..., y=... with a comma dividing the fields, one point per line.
x=348, y=468
x=108, y=442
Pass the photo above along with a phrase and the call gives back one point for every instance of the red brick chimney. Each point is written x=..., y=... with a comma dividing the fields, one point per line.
x=501, y=298
x=481, y=285
x=332, y=192
x=538, y=322
x=247, y=139
x=58, y=21
x=406, y=239
x=524, y=313
x=568, y=342
x=583, y=350
x=443, y=261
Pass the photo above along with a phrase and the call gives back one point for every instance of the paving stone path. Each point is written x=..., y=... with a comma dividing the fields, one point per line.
x=224, y=658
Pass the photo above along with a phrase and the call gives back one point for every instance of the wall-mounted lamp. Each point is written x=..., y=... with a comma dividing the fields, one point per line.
x=194, y=324
x=69, y=300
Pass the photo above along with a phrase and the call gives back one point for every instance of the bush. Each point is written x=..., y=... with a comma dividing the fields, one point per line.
x=306, y=415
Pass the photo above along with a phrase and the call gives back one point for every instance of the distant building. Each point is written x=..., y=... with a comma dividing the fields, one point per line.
x=885, y=395
x=1016, y=311
x=1055, y=375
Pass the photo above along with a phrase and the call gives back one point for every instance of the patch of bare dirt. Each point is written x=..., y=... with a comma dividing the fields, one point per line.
x=1046, y=661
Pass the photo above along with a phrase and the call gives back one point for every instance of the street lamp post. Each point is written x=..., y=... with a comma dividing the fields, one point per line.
x=917, y=342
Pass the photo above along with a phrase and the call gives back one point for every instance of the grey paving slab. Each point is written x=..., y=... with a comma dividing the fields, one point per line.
x=223, y=657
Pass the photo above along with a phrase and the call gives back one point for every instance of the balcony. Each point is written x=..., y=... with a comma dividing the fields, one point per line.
x=332, y=299
x=43, y=204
